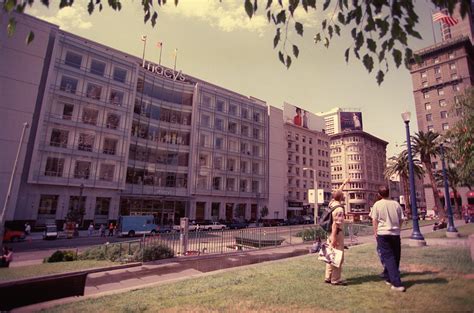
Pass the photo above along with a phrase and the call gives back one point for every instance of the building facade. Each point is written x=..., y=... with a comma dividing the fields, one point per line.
x=111, y=134
x=361, y=157
x=445, y=72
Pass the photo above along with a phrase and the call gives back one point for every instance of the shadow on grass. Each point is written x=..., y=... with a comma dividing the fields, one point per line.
x=377, y=278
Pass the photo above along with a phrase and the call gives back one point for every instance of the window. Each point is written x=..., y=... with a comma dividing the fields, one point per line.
x=93, y=91
x=219, y=124
x=440, y=91
x=255, y=186
x=452, y=66
x=429, y=117
x=232, y=127
x=68, y=84
x=54, y=167
x=218, y=162
x=423, y=74
x=68, y=110
x=256, y=133
x=256, y=117
x=425, y=84
x=206, y=100
x=102, y=206
x=244, y=113
x=427, y=106
x=436, y=60
x=89, y=116
x=454, y=76
x=243, y=185
x=205, y=120
x=255, y=168
x=112, y=121
x=426, y=95
x=255, y=150
x=220, y=106
x=243, y=166
x=73, y=59
x=216, y=183
x=444, y=114
x=202, y=182
x=430, y=128
x=456, y=87
x=437, y=70
x=442, y=103
x=233, y=110
x=116, y=97
x=244, y=130
x=451, y=55
x=82, y=169
x=203, y=159
x=310, y=151
x=219, y=143
x=231, y=165
x=86, y=142
x=48, y=204
x=439, y=80
x=445, y=126
x=230, y=184
x=110, y=146
x=202, y=140
x=59, y=138
x=97, y=68
x=106, y=172
x=120, y=75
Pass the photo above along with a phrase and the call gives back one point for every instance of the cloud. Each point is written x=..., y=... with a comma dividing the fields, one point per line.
x=70, y=18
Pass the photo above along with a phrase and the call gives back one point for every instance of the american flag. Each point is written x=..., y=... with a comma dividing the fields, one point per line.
x=444, y=18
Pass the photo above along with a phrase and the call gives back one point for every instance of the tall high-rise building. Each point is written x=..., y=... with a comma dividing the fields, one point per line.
x=445, y=72
x=340, y=120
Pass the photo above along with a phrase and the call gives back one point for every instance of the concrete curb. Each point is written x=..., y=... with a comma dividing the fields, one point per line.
x=471, y=244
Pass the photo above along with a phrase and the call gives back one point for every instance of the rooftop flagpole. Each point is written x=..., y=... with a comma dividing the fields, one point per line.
x=144, y=48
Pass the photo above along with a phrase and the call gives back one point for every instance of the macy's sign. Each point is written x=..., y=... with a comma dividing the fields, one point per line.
x=165, y=72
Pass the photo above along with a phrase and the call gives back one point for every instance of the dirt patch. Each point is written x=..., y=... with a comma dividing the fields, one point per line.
x=420, y=268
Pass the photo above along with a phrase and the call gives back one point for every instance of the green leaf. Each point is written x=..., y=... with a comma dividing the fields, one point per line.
x=153, y=19
x=326, y=4
x=280, y=56
x=397, y=57
x=341, y=18
x=146, y=17
x=176, y=3
x=11, y=26
x=368, y=62
x=9, y=5
x=326, y=42
x=337, y=29
x=281, y=17
x=371, y=45
x=330, y=31
x=276, y=39
x=346, y=55
x=288, y=61
x=299, y=28
x=255, y=6
x=380, y=76
x=90, y=7
x=324, y=24
x=249, y=8
x=30, y=38
x=317, y=38
x=296, y=51
x=269, y=4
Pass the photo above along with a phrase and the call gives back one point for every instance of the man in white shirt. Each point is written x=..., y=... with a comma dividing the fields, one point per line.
x=387, y=217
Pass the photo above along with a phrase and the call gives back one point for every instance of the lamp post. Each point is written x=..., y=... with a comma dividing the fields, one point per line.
x=315, y=203
x=451, y=231
x=10, y=185
x=416, y=238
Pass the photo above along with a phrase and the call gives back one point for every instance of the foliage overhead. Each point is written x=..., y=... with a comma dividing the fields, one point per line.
x=380, y=29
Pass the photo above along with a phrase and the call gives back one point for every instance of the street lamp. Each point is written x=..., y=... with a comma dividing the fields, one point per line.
x=451, y=231
x=315, y=203
x=416, y=238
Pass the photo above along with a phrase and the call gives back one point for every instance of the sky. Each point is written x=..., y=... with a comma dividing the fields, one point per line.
x=218, y=43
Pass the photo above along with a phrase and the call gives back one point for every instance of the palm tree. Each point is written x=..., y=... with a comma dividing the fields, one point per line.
x=453, y=178
x=398, y=165
x=425, y=145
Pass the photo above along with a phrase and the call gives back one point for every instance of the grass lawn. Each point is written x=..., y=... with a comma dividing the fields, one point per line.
x=409, y=224
x=464, y=231
x=438, y=279
x=14, y=273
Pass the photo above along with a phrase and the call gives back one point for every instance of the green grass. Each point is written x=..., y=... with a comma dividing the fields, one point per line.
x=409, y=224
x=14, y=273
x=464, y=231
x=438, y=279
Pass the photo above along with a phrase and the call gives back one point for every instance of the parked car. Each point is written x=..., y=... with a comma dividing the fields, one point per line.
x=272, y=222
x=13, y=235
x=165, y=229
x=50, y=232
x=296, y=220
x=235, y=224
x=210, y=225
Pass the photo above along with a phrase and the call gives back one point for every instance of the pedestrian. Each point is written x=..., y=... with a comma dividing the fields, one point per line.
x=111, y=229
x=27, y=229
x=384, y=273
x=90, y=230
x=7, y=257
x=387, y=217
x=102, y=230
x=333, y=274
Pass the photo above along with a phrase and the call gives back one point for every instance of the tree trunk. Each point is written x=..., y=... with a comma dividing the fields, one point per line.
x=438, y=207
x=456, y=204
x=406, y=195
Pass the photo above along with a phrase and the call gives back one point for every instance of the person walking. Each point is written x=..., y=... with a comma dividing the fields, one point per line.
x=333, y=274
x=102, y=230
x=7, y=257
x=27, y=229
x=111, y=229
x=387, y=217
x=90, y=230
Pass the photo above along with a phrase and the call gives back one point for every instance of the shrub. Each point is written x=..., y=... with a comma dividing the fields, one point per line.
x=312, y=233
x=95, y=253
x=152, y=253
x=112, y=252
x=61, y=256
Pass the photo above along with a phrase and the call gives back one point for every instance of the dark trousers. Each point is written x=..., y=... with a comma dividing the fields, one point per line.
x=390, y=251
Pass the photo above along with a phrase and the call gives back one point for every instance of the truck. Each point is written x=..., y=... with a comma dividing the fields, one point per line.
x=137, y=225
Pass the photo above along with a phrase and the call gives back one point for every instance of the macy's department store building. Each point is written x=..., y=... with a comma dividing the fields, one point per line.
x=115, y=135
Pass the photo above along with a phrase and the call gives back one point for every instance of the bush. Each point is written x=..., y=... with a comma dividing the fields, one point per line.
x=312, y=234
x=152, y=253
x=112, y=252
x=61, y=256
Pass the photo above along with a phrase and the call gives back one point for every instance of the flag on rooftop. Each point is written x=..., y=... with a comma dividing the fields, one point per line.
x=444, y=18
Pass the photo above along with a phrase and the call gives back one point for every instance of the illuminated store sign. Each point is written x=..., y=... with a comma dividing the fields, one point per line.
x=163, y=71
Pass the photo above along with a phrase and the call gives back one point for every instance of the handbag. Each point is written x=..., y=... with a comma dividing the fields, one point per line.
x=330, y=255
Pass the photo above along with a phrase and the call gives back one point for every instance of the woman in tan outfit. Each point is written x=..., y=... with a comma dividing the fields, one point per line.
x=336, y=238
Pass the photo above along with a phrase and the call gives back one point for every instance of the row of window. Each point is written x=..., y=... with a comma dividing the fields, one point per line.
x=443, y=115
x=219, y=143
x=437, y=70
x=93, y=91
x=159, y=157
x=229, y=184
x=86, y=142
x=160, y=135
x=160, y=92
x=303, y=171
x=309, y=139
x=232, y=126
x=444, y=126
x=155, y=112
x=82, y=169
x=229, y=164
x=156, y=178
x=95, y=67
x=49, y=204
x=310, y=150
x=307, y=184
x=440, y=91
x=225, y=106
x=304, y=161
